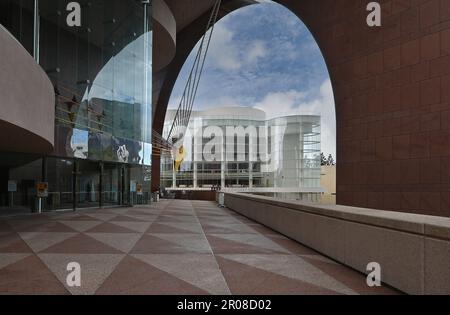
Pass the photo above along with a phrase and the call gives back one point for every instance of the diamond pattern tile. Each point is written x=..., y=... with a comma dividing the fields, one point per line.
x=175, y=247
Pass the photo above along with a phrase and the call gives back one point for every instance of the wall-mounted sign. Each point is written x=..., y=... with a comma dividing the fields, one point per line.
x=139, y=189
x=12, y=186
x=133, y=185
x=42, y=190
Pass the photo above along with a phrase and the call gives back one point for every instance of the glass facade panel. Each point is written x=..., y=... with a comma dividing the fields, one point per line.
x=88, y=184
x=101, y=71
x=60, y=175
x=17, y=16
x=19, y=176
x=102, y=77
x=110, y=185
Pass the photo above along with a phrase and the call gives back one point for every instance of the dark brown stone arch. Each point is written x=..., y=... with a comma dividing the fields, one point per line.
x=392, y=93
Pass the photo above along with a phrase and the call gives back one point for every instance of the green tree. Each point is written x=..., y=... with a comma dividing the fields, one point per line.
x=323, y=159
x=330, y=161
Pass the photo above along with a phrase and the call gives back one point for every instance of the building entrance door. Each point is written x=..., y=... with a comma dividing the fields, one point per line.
x=124, y=185
x=111, y=185
x=88, y=184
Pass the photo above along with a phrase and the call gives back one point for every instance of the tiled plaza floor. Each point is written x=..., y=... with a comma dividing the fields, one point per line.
x=172, y=247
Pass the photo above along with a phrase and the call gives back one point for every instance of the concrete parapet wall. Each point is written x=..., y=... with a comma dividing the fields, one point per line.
x=413, y=250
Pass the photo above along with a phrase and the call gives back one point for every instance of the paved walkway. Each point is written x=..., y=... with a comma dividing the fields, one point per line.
x=173, y=247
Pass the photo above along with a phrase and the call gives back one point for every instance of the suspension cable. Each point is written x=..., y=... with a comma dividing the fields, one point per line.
x=184, y=111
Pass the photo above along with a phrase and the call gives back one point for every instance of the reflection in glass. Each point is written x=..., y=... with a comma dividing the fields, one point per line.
x=110, y=184
x=88, y=184
x=60, y=184
x=101, y=72
x=80, y=144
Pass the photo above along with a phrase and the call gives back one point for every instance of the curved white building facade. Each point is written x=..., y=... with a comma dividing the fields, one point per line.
x=239, y=148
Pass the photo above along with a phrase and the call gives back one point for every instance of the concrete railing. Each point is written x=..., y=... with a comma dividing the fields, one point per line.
x=413, y=250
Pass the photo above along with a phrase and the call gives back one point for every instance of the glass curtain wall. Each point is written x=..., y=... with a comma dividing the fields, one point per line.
x=295, y=150
x=18, y=178
x=60, y=176
x=102, y=77
x=17, y=16
x=101, y=73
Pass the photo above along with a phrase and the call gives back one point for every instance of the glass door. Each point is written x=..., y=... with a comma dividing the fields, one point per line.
x=125, y=185
x=88, y=184
x=60, y=174
x=111, y=185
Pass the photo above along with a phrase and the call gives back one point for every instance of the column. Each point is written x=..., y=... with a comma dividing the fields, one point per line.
x=250, y=175
x=223, y=163
x=174, y=176
x=222, y=174
x=100, y=189
x=195, y=175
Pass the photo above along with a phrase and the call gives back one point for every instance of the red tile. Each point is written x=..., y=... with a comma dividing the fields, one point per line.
x=429, y=13
x=430, y=171
x=445, y=170
x=411, y=53
x=430, y=122
x=384, y=148
x=375, y=63
x=29, y=276
x=431, y=202
x=431, y=91
x=411, y=201
x=420, y=71
x=445, y=42
x=445, y=10
x=392, y=58
x=401, y=147
x=445, y=81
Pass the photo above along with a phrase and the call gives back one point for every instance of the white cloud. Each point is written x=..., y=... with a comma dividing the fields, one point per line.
x=256, y=50
x=228, y=54
x=295, y=103
x=277, y=104
x=223, y=52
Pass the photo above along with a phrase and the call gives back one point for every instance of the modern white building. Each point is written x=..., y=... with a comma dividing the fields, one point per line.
x=239, y=148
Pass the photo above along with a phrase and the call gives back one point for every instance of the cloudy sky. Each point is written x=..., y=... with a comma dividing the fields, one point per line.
x=263, y=56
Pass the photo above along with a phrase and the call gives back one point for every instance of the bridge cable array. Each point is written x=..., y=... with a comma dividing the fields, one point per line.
x=162, y=145
x=183, y=115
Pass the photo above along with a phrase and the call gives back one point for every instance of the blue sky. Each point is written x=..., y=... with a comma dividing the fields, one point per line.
x=263, y=56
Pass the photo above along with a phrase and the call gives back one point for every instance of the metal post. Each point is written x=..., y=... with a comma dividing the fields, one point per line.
x=223, y=163
x=250, y=175
x=100, y=188
x=195, y=184
x=174, y=176
x=11, y=200
x=74, y=185
x=36, y=36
